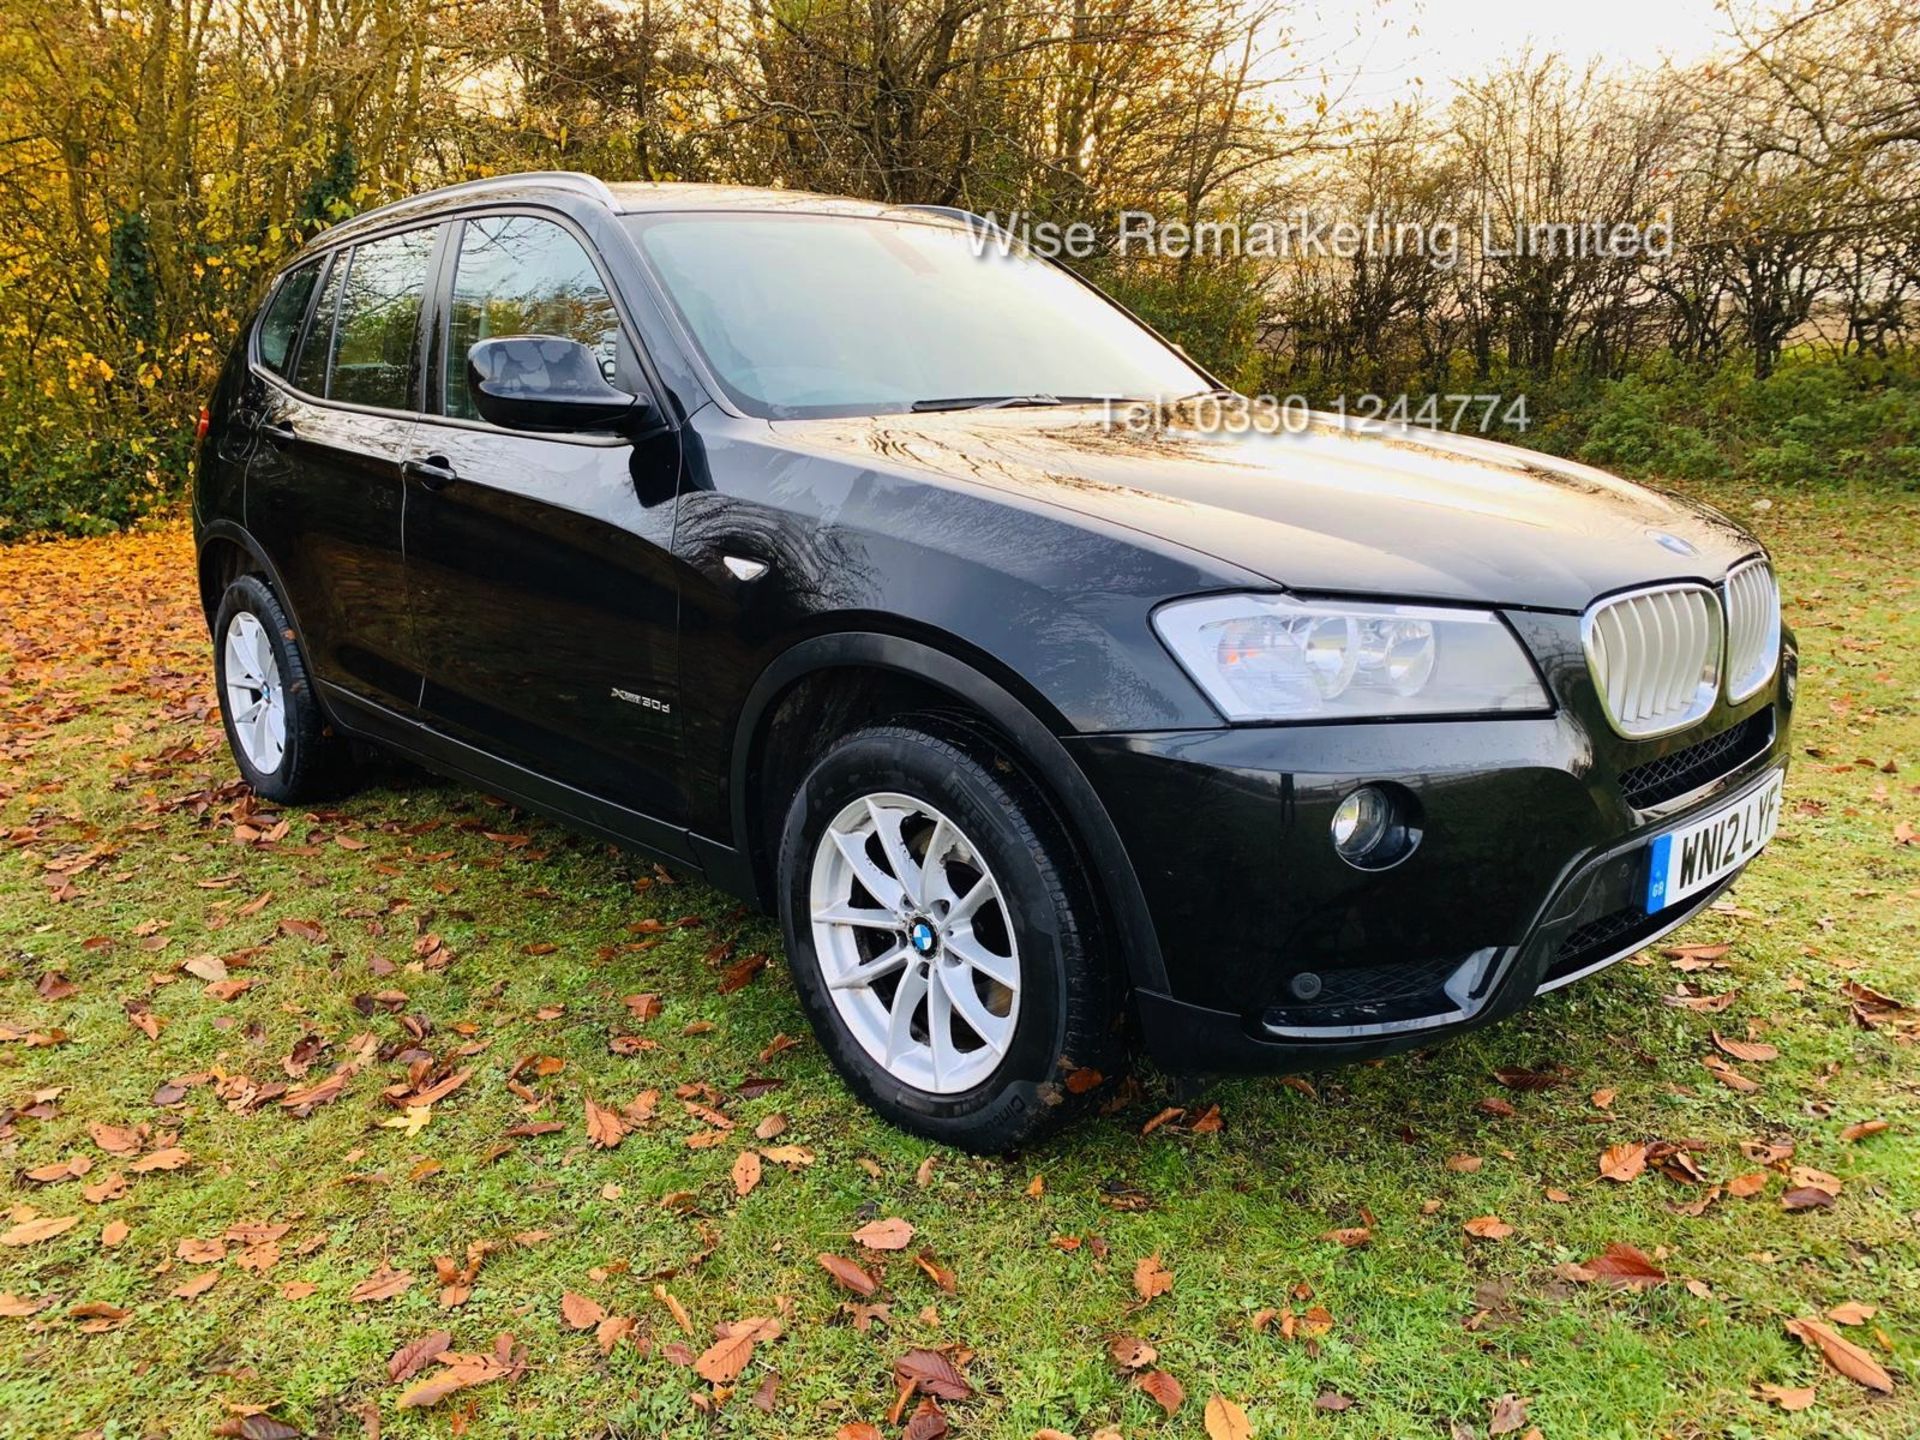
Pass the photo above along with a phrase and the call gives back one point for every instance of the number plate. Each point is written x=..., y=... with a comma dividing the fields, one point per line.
x=1690, y=859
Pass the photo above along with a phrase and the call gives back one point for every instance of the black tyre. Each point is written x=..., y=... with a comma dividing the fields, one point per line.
x=942, y=938
x=278, y=734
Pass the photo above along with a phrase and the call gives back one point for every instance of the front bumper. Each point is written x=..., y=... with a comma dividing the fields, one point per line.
x=1529, y=874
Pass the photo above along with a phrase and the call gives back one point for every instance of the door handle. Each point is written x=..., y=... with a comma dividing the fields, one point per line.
x=432, y=471
x=277, y=433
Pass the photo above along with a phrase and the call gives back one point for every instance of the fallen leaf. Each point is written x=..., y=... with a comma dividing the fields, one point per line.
x=29, y=1232
x=1806, y=1197
x=1788, y=1397
x=1861, y=1130
x=1488, y=1227
x=1755, y=1051
x=1151, y=1278
x=931, y=1373
x=197, y=1286
x=936, y=1272
x=1842, y=1354
x=383, y=1284
x=1352, y=1237
x=674, y=1308
x=1625, y=1266
x=1622, y=1162
x=1226, y=1420
x=458, y=1372
x=1130, y=1352
x=723, y=1360
x=1163, y=1389
x=889, y=1234
x=579, y=1312
x=413, y=1357
x=1852, y=1312
x=1730, y=1077
x=746, y=1173
x=926, y=1422
x=849, y=1275
x=605, y=1129
x=171, y=1158
x=1509, y=1414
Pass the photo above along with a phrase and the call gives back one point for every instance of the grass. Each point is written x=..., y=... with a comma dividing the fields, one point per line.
x=122, y=857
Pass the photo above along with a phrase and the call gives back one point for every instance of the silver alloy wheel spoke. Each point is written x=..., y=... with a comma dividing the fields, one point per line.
x=897, y=894
x=886, y=824
x=883, y=887
x=906, y=999
x=999, y=968
x=984, y=1023
x=862, y=976
x=256, y=701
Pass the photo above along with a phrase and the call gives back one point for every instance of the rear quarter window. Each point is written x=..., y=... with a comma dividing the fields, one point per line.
x=286, y=312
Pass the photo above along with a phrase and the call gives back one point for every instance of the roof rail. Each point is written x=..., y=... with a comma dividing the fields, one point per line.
x=955, y=212
x=579, y=183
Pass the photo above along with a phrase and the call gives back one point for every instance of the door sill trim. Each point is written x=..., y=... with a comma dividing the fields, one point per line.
x=461, y=761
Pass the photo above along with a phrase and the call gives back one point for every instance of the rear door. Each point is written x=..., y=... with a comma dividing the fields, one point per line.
x=539, y=567
x=324, y=490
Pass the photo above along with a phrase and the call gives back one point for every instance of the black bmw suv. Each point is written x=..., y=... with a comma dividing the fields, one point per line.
x=792, y=541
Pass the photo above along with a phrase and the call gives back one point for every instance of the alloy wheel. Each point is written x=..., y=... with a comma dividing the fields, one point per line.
x=915, y=943
x=256, y=698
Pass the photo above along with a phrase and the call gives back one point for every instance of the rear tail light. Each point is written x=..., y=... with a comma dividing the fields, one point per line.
x=201, y=425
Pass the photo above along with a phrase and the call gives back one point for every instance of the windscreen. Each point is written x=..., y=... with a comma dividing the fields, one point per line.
x=804, y=315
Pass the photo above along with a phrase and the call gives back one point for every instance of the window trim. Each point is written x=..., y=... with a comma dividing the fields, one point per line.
x=428, y=276
x=441, y=335
x=440, y=276
x=320, y=264
x=341, y=254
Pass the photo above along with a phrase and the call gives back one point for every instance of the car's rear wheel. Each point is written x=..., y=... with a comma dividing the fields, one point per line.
x=275, y=727
x=942, y=937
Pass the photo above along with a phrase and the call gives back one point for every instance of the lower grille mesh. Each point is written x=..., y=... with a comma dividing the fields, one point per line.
x=1696, y=765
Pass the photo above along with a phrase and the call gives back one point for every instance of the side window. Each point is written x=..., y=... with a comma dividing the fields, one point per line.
x=310, y=371
x=520, y=275
x=280, y=326
x=375, y=337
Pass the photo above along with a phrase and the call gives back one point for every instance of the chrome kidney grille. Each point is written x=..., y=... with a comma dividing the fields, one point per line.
x=1655, y=656
x=1753, y=627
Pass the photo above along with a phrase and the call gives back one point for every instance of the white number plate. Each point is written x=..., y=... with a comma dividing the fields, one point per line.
x=1688, y=860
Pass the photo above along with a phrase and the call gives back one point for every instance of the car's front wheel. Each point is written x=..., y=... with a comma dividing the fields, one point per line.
x=275, y=727
x=941, y=936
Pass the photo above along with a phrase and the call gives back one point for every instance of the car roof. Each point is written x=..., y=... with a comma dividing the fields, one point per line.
x=636, y=197
x=626, y=197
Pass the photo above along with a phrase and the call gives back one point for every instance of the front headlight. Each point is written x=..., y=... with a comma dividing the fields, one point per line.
x=1271, y=657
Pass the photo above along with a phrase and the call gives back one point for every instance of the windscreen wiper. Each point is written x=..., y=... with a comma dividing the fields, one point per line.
x=983, y=402
x=1002, y=402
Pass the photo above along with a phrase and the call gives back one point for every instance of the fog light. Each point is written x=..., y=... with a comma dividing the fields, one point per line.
x=1361, y=823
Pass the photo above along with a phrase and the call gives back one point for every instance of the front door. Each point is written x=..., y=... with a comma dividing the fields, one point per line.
x=324, y=491
x=539, y=567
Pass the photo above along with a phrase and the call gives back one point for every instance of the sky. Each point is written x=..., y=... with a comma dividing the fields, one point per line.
x=1393, y=44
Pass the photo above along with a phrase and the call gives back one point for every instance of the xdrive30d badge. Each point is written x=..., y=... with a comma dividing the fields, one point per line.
x=790, y=541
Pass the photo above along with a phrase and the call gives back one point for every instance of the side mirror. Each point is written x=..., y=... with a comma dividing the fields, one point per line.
x=545, y=382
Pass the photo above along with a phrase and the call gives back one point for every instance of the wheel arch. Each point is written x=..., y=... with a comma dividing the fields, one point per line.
x=906, y=667
x=225, y=553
